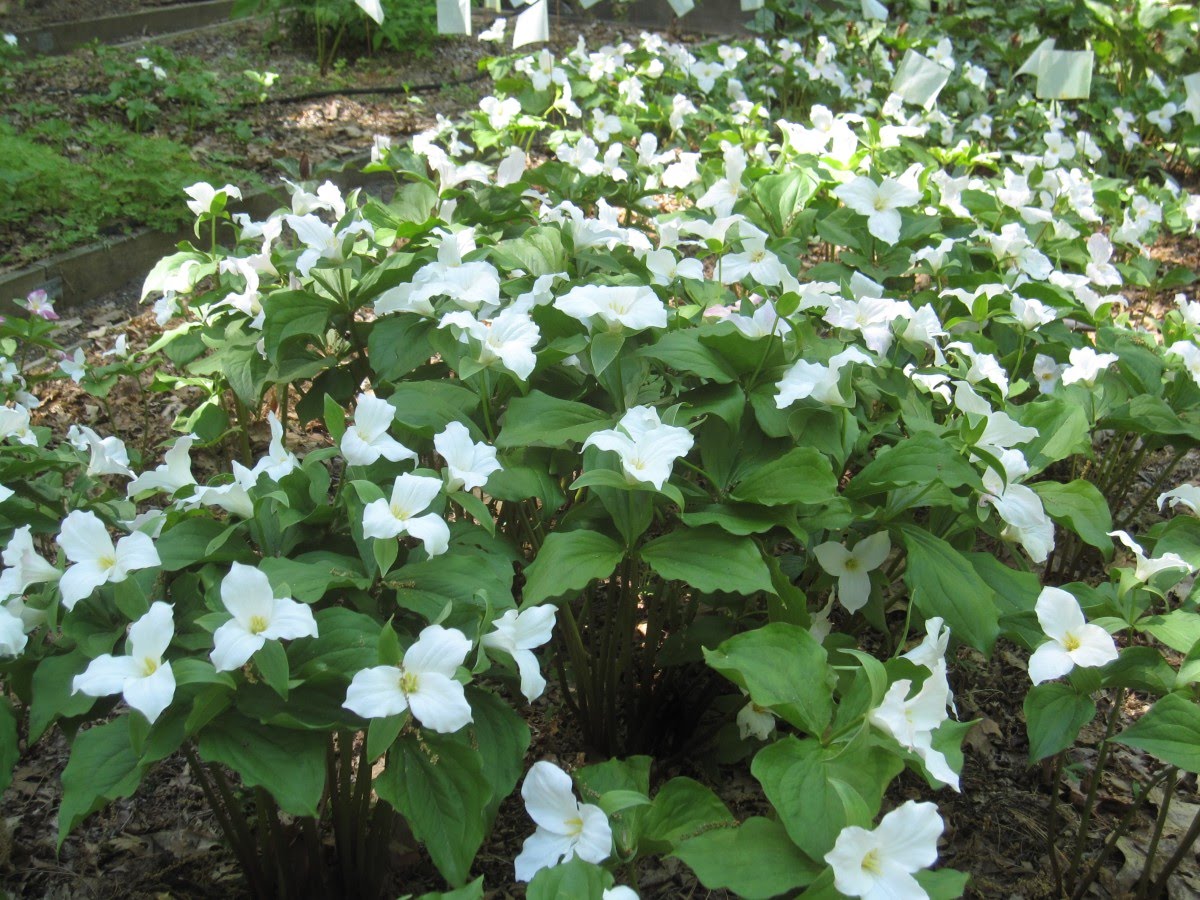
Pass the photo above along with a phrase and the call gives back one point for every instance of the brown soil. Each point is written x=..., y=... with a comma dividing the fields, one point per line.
x=25, y=15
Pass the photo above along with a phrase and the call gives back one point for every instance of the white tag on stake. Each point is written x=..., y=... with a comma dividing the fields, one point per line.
x=532, y=25
x=454, y=16
x=919, y=79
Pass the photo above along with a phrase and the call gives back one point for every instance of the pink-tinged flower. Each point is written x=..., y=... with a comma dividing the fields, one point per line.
x=38, y=303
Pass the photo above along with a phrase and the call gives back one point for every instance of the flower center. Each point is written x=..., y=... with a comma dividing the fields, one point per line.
x=852, y=565
x=575, y=825
x=870, y=863
x=1072, y=643
x=149, y=665
x=399, y=512
x=409, y=683
x=257, y=625
x=880, y=204
x=106, y=562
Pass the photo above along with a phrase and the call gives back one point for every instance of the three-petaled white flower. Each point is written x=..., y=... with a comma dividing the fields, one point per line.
x=279, y=461
x=97, y=561
x=107, y=456
x=566, y=828
x=1187, y=495
x=1146, y=567
x=204, y=195
x=614, y=307
x=879, y=864
x=517, y=634
x=508, y=338
x=423, y=683
x=468, y=464
x=174, y=473
x=648, y=448
x=25, y=566
x=1086, y=365
x=912, y=720
x=367, y=439
x=411, y=495
x=258, y=616
x=142, y=677
x=1073, y=642
x=879, y=203
x=852, y=567
x=14, y=423
x=820, y=382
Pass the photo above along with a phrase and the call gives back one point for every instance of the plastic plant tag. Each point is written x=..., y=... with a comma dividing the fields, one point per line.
x=1037, y=59
x=682, y=7
x=1066, y=75
x=1191, y=84
x=532, y=25
x=751, y=5
x=587, y=4
x=919, y=79
x=454, y=16
x=493, y=5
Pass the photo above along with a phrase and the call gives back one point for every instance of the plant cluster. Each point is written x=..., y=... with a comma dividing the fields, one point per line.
x=732, y=413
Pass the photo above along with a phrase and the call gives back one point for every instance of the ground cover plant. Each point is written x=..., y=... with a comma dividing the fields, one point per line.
x=723, y=386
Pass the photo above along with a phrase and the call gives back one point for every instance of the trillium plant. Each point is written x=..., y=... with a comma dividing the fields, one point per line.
x=720, y=397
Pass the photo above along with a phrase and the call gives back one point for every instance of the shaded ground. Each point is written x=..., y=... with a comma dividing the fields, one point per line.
x=23, y=15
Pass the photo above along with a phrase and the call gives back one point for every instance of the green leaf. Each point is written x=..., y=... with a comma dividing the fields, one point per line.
x=783, y=197
x=288, y=764
x=1054, y=713
x=754, y=860
x=709, y=560
x=398, y=344
x=102, y=767
x=502, y=738
x=1179, y=629
x=921, y=459
x=437, y=784
x=539, y=251
x=802, y=475
x=191, y=541
x=382, y=733
x=539, y=420
x=818, y=790
x=1080, y=506
x=744, y=519
x=943, y=884
x=604, y=348
x=683, y=808
x=472, y=891
x=272, y=663
x=783, y=668
x=345, y=643
x=311, y=575
x=613, y=802
x=9, y=751
x=572, y=880
x=567, y=562
x=429, y=406
x=289, y=314
x=1170, y=731
x=683, y=352
x=52, y=695
x=335, y=419
x=944, y=583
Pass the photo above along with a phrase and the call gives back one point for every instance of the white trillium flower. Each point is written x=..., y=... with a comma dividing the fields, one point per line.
x=1018, y=506
x=754, y=721
x=1186, y=495
x=648, y=448
x=258, y=616
x=109, y=455
x=879, y=864
x=1147, y=567
x=279, y=461
x=468, y=464
x=507, y=339
x=566, y=828
x=614, y=307
x=820, y=382
x=1047, y=373
x=204, y=194
x=912, y=721
x=517, y=634
x=142, y=677
x=1086, y=365
x=15, y=424
x=880, y=203
x=24, y=566
x=411, y=495
x=233, y=497
x=931, y=652
x=852, y=567
x=367, y=439
x=88, y=545
x=1073, y=642
x=13, y=638
x=174, y=473
x=423, y=683
x=74, y=366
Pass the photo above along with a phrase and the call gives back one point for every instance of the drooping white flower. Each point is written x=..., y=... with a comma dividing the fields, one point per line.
x=1018, y=506
x=279, y=461
x=605, y=307
x=1187, y=495
x=411, y=494
x=912, y=720
x=1147, y=567
x=233, y=496
x=108, y=456
x=507, y=339
x=517, y=634
x=1047, y=373
x=204, y=194
x=367, y=439
x=24, y=566
x=1073, y=642
x=820, y=382
x=15, y=424
x=97, y=561
x=13, y=638
x=423, y=683
x=142, y=677
x=566, y=828
x=468, y=464
x=754, y=721
x=880, y=203
x=931, y=652
x=258, y=616
x=174, y=473
x=647, y=448
x=852, y=568
x=1086, y=365
x=879, y=864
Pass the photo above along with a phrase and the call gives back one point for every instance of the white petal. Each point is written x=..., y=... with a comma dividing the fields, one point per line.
x=150, y=635
x=84, y=537
x=595, y=841
x=152, y=694
x=854, y=590
x=1049, y=661
x=549, y=796
x=413, y=493
x=290, y=619
x=832, y=557
x=233, y=646
x=378, y=521
x=1096, y=647
x=909, y=835
x=541, y=850
x=885, y=225
x=437, y=649
x=532, y=682
x=105, y=675
x=79, y=581
x=872, y=551
x=136, y=551
x=432, y=531
x=375, y=693
x=247, y=593
x=1058, y=613
x=439, y=703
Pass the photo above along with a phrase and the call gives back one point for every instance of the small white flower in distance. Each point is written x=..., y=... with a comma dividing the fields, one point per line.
x=423, y=683
x=141, y=677
x=74, y=366
x=1086, y=365
x=647, y=448
x=852, y=567
x=24, y=566
x=1047, y=373
x=879, y=864
x=517, y=634
x=258, y=616
x=1146, y=567
x=204, y=194
x=411, y=495
x=880, y=203
x=109, y=455
x=1186, y=495
x=566, y=828
x=367, y=439
x=468, y=464
x=88, y=545
x=931, y=652
x=279, y=461
x=495, y=32
x=1073, y=642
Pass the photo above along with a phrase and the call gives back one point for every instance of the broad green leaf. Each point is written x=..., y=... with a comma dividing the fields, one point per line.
x=944, y=583
x=708, y=559
x=567, y=562
x=429, y=406
x=682, y=808
x=819, y=790
x=539, y=420
x=1179, y=629
x=1054, y=714
x=745, y=519
x=943, y=884
x=192, y=541
x=398, y=344
x=472, y=891
x=52, y=696
x=437, y=783
x=572, y=880
x=309, y=576
x=345, y=643
x=502, y=738
x=1080, y=506
x=289, y=314
x=783, y=668
x=1170, y=731
x=754, y=860
x=783, y=197
x=921, y=459
x=802, y=475
x=683, y=352
x=102, y=767
x=288, y=764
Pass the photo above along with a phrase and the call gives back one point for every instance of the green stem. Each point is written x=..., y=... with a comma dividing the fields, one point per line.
x=1159, y=822
x=1185, y=845
x=1094, y=787
x=1052, y=826
x=1154, y=488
